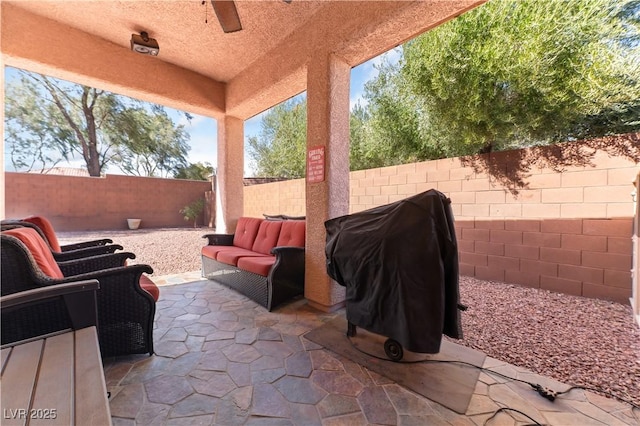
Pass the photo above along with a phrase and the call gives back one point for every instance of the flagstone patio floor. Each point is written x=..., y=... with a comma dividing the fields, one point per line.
x=222, y=359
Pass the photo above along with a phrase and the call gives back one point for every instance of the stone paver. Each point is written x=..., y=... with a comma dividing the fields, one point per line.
x=222, y=359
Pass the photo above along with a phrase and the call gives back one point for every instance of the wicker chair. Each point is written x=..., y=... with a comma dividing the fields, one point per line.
x=125, y=310
x=68, y=252
x=50, y=236
x=46, y=311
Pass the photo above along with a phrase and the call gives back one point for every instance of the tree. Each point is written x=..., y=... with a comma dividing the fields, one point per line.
x=47, y=120
x=195, y=171
x=280, y=149
x=396, y=133
x=511, y=74
x=149, y=144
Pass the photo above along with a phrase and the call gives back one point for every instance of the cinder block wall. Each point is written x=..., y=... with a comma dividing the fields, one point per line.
x=93, y=203
x=566, y=231
x=286, y=197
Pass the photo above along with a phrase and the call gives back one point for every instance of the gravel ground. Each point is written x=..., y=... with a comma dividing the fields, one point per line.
x=574, y=340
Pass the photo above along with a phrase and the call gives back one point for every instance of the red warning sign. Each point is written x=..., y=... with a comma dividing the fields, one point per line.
x=315, y=164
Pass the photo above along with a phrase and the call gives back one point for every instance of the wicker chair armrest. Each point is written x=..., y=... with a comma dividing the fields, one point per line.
x=219, y=239
x=94, y=263
x=37, y=294
x=86, y=244
x=86, y=252
x=79, y=302
x=122, y=272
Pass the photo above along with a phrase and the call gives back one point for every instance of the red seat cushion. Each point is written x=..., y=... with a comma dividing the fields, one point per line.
x=267, y=236
x=150, y=287
x=258, y=265
x=292, y=233
x=246, y=232
x=231, y=256
x=47, y=228
x=39, y=250
x=212, y=251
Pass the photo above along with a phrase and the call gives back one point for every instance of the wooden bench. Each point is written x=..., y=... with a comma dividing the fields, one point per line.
x=55, y=380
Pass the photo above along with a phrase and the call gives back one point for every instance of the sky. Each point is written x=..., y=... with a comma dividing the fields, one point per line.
x=203, y=130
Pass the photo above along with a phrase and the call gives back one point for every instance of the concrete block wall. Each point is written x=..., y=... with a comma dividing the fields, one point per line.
x=286, y=197
x=75, y=203
x=566, y=231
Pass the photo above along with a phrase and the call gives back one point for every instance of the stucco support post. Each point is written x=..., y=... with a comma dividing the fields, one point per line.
x=229, y=187
x=328, y=128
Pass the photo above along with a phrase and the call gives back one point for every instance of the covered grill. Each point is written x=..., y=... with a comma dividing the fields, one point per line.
x=399, y=264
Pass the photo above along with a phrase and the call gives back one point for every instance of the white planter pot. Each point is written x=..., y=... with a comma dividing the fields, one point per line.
x=133, y=223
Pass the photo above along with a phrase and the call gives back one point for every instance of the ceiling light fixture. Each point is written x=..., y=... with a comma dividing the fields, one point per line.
x=144, y=44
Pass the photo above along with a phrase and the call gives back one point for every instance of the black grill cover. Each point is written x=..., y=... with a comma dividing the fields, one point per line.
x=399, y=264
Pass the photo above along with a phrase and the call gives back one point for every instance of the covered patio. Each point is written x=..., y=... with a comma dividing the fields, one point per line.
x=220, y=358
x=283, y=49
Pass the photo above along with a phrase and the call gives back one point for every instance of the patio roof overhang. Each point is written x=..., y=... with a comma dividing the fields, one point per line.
x=200, y=68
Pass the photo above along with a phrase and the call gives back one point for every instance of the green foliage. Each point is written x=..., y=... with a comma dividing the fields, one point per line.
x=149, y=144
x=195, y=171
x=511, y=74
x=395, y=129
x=280, y=148
x=192, y=210
x=47, y=120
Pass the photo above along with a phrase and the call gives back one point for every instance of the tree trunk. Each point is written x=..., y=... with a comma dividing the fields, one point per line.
x=90, y=151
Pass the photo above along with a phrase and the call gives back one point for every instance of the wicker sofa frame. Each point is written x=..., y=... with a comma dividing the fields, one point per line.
x=125, y=310
x=284, y=281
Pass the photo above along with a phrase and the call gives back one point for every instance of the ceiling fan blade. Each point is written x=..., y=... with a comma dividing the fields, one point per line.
x=227, y=15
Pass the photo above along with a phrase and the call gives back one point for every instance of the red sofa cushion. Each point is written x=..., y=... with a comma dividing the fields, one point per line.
x=267, y=236
x=150, y=287
x=258, y=265
x=292, y=233
x=47, y=228
x=39, y=250
x=212, y=251
x=246, y=232
x=231, y=256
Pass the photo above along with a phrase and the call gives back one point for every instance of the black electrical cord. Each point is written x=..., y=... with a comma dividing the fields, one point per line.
x=535, y=423
x=542, y=391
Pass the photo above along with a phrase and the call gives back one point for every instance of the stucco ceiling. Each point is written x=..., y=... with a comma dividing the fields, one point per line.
x=199, y=67
x=185, y=39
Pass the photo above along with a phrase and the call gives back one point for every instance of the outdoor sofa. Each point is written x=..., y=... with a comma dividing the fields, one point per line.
x=125, y=310
x=263, y=259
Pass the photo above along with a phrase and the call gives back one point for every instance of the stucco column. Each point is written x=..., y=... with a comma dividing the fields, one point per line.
x=229, y=188
x=328, y=197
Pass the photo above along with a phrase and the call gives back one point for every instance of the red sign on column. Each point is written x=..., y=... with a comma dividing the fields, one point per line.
x=315, y=164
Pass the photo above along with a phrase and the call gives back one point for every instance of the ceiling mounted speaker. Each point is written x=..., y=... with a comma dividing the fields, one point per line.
x=144, y=44
x=227, y=15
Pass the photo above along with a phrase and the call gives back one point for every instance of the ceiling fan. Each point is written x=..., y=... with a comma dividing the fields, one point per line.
x=228, y=14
